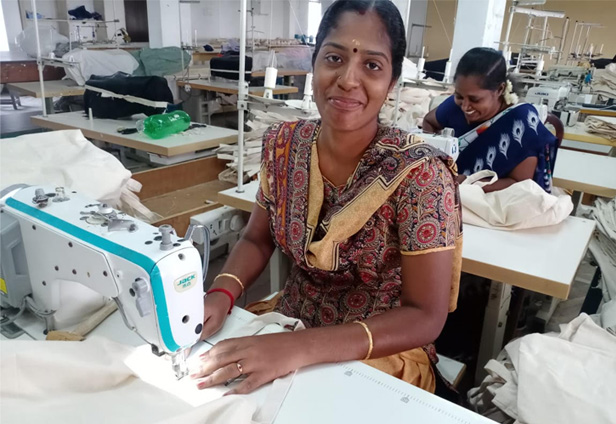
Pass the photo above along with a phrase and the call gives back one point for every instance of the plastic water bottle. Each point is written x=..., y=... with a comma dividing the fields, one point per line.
x=160, y=126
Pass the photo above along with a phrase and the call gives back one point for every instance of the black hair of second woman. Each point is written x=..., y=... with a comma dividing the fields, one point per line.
x=390, y=16
x=486, y=63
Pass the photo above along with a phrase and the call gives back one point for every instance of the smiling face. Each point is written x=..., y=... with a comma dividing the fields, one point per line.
x=353, y=72
x=478, y=104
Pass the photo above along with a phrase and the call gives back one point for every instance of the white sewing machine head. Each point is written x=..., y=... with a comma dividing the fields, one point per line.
x=550, y=94
x=445, y=142
x=72, y=243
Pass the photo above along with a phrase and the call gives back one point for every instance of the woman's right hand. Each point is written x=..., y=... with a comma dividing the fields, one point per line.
x=215, y=310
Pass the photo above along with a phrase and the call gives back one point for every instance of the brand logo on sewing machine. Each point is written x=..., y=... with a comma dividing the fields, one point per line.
x=185, y=282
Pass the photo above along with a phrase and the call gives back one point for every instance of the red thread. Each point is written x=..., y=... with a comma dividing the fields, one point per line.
x=228, y=293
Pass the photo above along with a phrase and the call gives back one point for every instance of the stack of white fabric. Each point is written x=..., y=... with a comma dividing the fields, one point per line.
x=413, y=106
x=548, y=378
x=604, y=81
x=259, y=122
x=604, y=125
x=603, y=248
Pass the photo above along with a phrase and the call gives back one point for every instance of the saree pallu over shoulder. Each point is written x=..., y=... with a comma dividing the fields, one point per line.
x=504, y=142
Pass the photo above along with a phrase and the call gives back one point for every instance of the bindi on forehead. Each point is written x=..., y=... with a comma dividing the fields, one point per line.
x=356, y=43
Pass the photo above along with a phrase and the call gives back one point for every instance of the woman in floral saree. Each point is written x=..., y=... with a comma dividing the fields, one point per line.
x=369, y=217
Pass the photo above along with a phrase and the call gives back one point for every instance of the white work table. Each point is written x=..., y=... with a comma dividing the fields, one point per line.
x=53, y=88
x=56, y=88
x=319, y=394
x=106, y=130
x=579, y=133
x=585, y=172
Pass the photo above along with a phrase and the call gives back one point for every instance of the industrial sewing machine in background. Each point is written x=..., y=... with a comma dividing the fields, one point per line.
x=64, y=255
x=445, y=141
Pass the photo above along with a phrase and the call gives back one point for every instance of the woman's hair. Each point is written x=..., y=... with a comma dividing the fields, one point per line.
x=487, y=64
x=390, y=16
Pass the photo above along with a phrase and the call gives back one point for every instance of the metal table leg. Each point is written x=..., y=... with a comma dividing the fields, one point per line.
x=494, y=323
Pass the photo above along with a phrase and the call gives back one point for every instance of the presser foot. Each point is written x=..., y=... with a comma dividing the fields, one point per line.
x=178, y=363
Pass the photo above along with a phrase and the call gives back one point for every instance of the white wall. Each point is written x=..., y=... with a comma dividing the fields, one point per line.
x=12, y=21
x=107, y=9
x=164, y=23
x=221, y=19
x=47, y=8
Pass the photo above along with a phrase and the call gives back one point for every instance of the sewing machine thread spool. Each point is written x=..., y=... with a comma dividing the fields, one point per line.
x=446, y=77
x=270, y=82
x=308, y=85
x=420, y=65
x=539, y=69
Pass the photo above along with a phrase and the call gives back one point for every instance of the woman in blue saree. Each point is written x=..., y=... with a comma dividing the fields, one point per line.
x=495, y=133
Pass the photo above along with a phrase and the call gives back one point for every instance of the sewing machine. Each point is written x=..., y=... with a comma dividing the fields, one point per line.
x=77, y=253
x=445, y=142
x=555, y=95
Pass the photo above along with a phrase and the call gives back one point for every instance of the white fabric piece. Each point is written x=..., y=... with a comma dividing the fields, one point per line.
x=603, y=248
x=67, y=159
x=604, y=82
x=561, y=378
x=575, y=386
x=98, y=62
x=258, y=122
x=603, y=125
x=522, y=205
x=106, y=382
x=413, y=105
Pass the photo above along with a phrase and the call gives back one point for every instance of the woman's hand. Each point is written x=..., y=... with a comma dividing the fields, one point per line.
x=260, y=359
x=215, y=310
x=460, y=178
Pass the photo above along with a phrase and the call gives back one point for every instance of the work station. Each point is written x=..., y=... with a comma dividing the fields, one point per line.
x=308, y=211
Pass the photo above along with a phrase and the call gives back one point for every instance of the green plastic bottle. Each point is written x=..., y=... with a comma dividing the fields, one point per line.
x=160, y=126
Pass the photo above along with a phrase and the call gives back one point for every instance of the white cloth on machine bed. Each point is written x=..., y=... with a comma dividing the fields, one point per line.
x=548, y=378
x=67, y=159
x=101, y=381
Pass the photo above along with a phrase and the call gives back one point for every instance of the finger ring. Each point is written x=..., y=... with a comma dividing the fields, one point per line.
x=239, y=368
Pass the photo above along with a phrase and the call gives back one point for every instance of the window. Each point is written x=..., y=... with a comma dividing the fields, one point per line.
x=4, y=40
x=314, y=17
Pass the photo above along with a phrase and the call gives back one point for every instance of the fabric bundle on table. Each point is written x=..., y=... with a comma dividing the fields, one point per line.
x=413, y=106
x=603, y=248
x=604, y=81
x=548, y=378
x=603, y=125
x=259, y=121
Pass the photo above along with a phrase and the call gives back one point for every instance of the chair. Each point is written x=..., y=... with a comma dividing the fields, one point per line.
x=558, y=127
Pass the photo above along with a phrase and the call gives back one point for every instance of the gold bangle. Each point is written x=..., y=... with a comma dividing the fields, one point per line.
x=233, y=277
x=369, y=333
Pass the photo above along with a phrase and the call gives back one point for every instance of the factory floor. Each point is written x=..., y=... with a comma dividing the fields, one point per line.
x=16, y=122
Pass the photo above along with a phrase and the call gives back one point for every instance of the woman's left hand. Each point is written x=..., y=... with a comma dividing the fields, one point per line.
x=260, y=359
